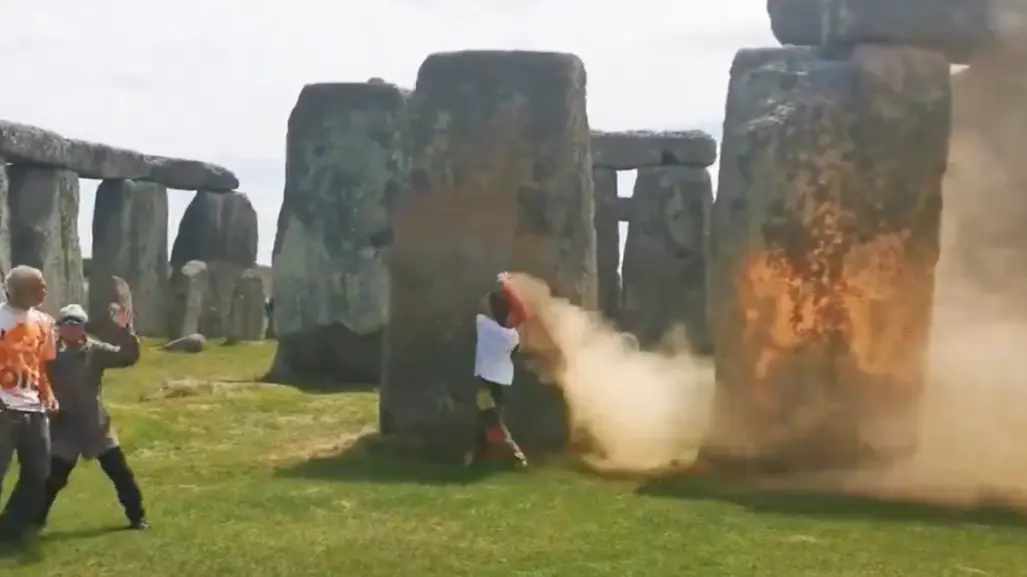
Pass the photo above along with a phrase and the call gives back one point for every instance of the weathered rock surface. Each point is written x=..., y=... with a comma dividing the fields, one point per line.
x=501, y=181
x=190, y=295
x=130, y=240
x=217, y=228
x=639, y=149
x=624, y=208
x=220, y=230
x=824, y=241
x=665, y=256
x=44, y=230
x=28, y=144
x=607, y=241
x=959, y=28
x=194, y=343
x=5, y=220
x=346, y=168
x=246, y=314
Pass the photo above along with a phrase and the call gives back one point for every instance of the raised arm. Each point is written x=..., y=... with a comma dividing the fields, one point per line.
x=518, y=312
x=122, y=353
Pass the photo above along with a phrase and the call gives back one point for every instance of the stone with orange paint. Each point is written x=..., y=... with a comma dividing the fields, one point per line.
x=501, y=180
x=825, y=235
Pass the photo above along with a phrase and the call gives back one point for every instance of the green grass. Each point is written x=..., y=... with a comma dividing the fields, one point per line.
x=233, y=490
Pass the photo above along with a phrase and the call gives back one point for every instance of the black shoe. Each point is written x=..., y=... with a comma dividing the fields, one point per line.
x=139, y=525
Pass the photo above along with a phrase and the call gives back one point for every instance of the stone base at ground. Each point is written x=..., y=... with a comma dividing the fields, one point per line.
x=328, y=356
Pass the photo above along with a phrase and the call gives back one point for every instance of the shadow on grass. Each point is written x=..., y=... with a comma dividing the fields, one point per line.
x=91, y=533
x=372, y=459
x=829, y=506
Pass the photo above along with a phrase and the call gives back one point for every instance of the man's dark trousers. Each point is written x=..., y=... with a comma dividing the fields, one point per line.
x=26, y=434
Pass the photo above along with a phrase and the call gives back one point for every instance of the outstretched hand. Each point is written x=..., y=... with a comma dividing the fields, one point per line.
x=503, y=277
x=121, y=316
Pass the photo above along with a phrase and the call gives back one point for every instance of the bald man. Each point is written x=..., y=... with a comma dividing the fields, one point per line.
x=27, y=345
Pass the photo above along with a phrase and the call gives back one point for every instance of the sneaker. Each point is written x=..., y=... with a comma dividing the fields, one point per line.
x=139, y=525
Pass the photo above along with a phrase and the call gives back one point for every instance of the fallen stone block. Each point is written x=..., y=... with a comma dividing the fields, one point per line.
x=639, y=149
x=194, y=343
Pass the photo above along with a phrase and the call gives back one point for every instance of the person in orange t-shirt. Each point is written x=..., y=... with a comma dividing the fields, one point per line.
x=27, y=345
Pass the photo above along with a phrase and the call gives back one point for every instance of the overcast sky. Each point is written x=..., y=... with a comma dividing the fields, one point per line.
x=215, y=79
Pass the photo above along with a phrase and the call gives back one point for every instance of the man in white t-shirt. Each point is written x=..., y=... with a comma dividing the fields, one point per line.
x=497, y=340
x=27, y=345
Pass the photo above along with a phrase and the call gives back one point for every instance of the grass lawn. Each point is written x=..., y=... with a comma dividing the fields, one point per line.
x=247, y=481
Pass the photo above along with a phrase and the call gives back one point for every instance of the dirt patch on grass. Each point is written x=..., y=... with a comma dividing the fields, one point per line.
x=185, y=388
x=364, y=440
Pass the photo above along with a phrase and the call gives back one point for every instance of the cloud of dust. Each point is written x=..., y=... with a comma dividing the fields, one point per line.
x=641, y=411
x=973, y=427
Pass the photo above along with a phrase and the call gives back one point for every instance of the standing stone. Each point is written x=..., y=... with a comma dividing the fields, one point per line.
x=44, y=230
x=246, y=316
x=665, y=255
x=607, y=228
x=5, y=221
x=346, y=167
x=190, y=293
x=502, y=180
x=219, y=229
x=130, y=240
x=824, y=241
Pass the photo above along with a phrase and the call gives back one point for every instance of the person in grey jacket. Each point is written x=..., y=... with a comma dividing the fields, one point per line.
x=83, y=427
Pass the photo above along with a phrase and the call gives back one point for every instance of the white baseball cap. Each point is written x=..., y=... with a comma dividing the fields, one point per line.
x=72, y=314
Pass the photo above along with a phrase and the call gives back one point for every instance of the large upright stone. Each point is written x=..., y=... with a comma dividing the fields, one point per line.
x=130, y=240
x=665, y=255
x=345, y=169
x=190, y=297
x=607, y=227
x=502, y=180
x=246, y=315
x=824, y=241
x=44, y=230
x=5, y=220
x=219, y=229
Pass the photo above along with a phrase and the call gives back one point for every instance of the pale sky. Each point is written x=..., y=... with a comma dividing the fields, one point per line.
x=215, y=80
